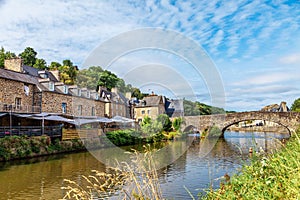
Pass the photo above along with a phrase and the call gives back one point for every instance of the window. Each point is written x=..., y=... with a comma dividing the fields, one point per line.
x=64, y=107
x=26, y=90
x=79, y=92
x=97, y=96
x=88, y=94
x=93, y=111
x=65, y=89
x=79, y=109
x=51, y=86
x=148, y=111
x=18, y=103
x=143, y=112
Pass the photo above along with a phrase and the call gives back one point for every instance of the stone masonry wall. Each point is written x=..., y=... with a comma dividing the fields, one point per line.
x=52, y=102
x=10, y=90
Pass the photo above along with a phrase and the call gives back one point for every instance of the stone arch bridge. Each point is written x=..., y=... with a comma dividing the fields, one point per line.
x=289, y=120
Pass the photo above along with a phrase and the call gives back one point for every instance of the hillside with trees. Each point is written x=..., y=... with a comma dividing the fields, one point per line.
x=196, y=108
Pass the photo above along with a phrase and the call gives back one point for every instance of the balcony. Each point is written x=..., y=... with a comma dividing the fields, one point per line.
x=19, y=108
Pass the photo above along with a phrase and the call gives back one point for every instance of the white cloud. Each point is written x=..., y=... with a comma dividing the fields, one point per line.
x=291, y=59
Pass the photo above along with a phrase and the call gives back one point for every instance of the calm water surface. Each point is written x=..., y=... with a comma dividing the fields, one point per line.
x=42, y=178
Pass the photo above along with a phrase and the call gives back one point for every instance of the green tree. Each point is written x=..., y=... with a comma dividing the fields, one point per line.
x=177, y=123
x=296, y=105
x=165, y=122
x=28, y=56
x=5, y=55
x=68, y=72
x=40, y=64
x=89, y=77
x=67, y=62
x=54, y=66
x=108, y=79
x=135, y=92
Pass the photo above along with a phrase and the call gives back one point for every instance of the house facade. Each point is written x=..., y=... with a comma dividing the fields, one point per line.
x=116, y=104
x=151, y=106
x=25, y=89
x=154, y=105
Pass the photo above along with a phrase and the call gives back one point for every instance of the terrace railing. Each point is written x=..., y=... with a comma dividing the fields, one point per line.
x=51, y=131
x=4, y=107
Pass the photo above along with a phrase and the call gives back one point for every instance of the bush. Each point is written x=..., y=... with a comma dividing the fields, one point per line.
x=177, y=123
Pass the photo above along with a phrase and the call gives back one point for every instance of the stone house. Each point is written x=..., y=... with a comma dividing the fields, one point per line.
x=116, y=104
x=29, y=90
x=151, y=106
x=154, y=105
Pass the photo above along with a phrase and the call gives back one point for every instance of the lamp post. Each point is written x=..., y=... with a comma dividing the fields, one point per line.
x=10, y=119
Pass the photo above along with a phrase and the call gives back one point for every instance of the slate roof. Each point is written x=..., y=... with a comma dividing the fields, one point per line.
x=16, y=76
x=35, y=72
x=174, y=108
x=151, y=101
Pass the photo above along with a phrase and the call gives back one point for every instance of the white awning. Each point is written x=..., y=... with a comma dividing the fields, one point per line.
x=2, y=114
x=121, y=119
x=58, y=118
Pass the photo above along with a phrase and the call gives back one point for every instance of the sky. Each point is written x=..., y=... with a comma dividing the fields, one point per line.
x=251, y=48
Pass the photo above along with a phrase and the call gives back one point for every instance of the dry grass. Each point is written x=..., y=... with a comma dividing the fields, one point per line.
x=137, y=180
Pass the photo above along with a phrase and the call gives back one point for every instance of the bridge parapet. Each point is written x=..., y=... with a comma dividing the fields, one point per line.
x=290, y=120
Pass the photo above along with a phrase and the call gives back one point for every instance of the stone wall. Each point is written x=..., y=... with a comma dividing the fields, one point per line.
x=10, y=90
x=52, y=102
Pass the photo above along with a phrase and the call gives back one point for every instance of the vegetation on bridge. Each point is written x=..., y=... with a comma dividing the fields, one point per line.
x=276, y=176
x=296, y=105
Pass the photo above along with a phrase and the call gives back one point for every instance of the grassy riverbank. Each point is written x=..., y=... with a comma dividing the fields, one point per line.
x=18, y=147
x=275, y=176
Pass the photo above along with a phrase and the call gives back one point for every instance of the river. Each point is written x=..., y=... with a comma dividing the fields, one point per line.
x=42, y=178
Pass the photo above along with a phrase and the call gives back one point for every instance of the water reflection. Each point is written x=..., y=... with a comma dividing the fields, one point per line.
x=42, y=178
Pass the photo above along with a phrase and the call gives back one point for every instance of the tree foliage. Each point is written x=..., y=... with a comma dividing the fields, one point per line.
x=165, y=121
x=40, y=64
x=89, y=77
x=5, y=55
x=177, y=123
x=28, y=56
x=108, y=79
x=54, y=66
x=197, y=108
x=296, y=105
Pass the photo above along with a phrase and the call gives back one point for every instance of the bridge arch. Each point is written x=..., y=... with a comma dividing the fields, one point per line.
x=228, y=124
x=190, y=128
x=288, y=120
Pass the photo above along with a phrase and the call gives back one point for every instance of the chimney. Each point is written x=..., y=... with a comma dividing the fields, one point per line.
x=128, y=95
x=14, y=64
x=56, y=74
x=114, y=90
x=283, y=107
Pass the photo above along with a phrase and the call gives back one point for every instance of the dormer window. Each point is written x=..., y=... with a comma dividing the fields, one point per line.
x=51, y=86
x=79, y=92
x=65, y=89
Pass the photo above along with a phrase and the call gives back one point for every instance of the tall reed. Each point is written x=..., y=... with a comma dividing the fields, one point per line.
x=135, y=180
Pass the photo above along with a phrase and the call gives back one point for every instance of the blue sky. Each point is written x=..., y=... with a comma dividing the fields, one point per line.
x=255, y=45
